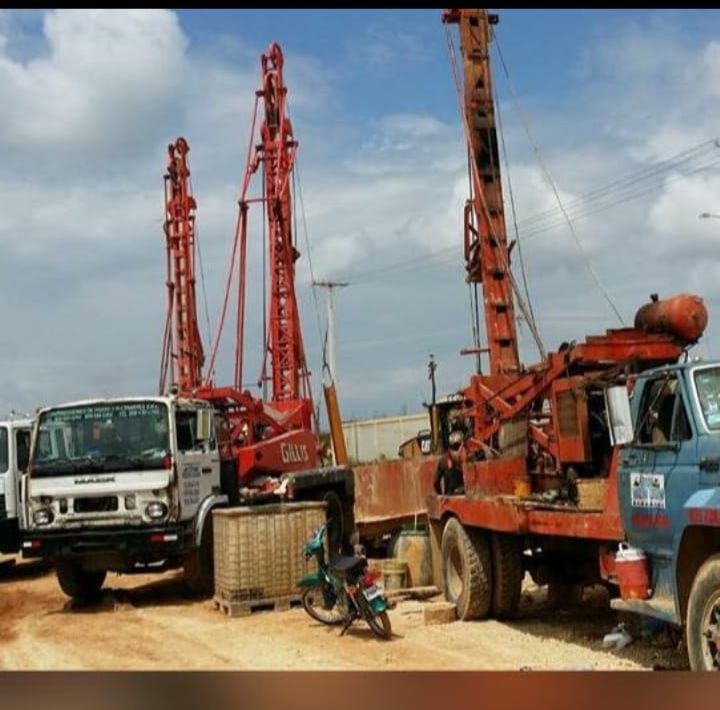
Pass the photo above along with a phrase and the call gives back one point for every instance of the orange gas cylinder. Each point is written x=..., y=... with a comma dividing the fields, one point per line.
x=683, y=316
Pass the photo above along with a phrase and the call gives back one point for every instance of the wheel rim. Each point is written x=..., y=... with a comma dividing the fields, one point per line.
x=710, y=630
x=314, y=603
x=454, y=573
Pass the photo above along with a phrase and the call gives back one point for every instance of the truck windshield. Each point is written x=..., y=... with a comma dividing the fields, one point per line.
x=707, y=384
x=101, y=438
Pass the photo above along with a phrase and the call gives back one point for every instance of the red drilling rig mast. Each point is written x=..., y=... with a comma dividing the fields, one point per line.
x=485, y=239
x=265, y=438
x=182, y=345
x=533, y=421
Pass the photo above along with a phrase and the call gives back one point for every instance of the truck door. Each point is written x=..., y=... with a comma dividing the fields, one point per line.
x=658, y=470
x=21, y=436
x=198, y=460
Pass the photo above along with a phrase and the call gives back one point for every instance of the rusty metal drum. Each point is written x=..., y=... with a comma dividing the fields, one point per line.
x=683, y=316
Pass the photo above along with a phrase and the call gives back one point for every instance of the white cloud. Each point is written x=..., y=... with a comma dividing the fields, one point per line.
x=90, y=110
x=108, y=76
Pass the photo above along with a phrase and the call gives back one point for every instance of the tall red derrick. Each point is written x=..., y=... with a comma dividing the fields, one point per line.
x=487, y=257
x=266, y=438
x=182, y=345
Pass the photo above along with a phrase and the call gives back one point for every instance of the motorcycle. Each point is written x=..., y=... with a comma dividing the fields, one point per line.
x=343, y=590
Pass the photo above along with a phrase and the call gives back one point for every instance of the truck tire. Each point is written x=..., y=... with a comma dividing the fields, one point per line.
x=199, y=564
x=79, y=584
x=508, y=573
x=467, y=570
x=703, y=618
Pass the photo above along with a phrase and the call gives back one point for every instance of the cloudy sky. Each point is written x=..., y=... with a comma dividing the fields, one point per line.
x=623, y=106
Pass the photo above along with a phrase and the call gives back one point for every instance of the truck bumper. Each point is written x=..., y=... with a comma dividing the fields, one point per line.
x=9, y=536
x=143, y=543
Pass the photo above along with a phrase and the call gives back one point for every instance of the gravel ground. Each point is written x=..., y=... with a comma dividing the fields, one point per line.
x=149, y=622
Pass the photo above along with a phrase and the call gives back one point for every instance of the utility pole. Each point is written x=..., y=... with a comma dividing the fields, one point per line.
x=331, y=358
x=339, y=450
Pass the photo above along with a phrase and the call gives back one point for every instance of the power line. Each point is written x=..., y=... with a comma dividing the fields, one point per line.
x=441, y=256
x=548, y=176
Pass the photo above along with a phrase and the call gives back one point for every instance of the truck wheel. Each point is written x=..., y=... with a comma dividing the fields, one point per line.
x=199, y=565
x=79, y=584
x=335, y=522
x=507, y=574
x=467, y=570
x=703, y=618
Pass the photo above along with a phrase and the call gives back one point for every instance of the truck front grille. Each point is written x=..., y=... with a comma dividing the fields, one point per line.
x=104, y=504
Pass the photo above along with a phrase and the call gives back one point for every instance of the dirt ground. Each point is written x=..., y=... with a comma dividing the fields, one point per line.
x=149, y=622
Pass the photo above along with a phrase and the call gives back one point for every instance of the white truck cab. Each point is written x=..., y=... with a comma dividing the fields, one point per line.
x=122, y=484
x=14, y=453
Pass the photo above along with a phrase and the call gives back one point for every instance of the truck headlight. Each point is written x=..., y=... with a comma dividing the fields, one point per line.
x=43, y=516
x=130, y=502
x=156, y=510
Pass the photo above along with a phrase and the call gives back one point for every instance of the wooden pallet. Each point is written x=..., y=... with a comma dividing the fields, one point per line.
x=245, y=608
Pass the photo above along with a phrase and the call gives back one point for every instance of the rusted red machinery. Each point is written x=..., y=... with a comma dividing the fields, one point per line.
x=532, y=433
x=265, y=438
x=538, y=415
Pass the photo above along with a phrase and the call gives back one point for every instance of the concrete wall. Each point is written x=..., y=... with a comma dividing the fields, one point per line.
x=372, y=439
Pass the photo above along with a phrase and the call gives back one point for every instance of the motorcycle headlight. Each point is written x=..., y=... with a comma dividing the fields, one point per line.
x=156, y=510
x=43, y=516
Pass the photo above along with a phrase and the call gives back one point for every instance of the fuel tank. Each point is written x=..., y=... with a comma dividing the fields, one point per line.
x=684, y=317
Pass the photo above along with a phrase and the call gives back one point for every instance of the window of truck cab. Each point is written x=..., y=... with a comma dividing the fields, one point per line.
x=22, y=448
x=706, y=382
x=663, y=417
x=186, y=430
x=4, y=450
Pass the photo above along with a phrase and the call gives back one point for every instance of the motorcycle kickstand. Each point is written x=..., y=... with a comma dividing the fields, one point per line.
x=347, y=625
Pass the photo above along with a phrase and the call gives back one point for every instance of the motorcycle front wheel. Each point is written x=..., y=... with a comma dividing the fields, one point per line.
x=313, y=602
x=380, y=625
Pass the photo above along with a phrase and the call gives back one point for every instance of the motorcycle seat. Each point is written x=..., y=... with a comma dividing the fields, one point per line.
x=344, y=565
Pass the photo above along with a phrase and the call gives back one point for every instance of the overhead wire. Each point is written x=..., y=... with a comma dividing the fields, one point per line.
x=653, y=171
x=446, y=254
x=585, y=256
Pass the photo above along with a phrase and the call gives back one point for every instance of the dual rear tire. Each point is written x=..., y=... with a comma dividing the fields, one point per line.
x=482, y=571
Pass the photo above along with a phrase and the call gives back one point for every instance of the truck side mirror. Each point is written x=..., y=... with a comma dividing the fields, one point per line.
x=617, y=407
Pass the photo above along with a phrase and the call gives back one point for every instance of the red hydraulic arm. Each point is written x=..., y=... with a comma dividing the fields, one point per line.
x=486, y=249
x=182, y=346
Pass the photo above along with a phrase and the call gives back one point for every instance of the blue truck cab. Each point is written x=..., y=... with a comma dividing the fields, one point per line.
x=669, y=495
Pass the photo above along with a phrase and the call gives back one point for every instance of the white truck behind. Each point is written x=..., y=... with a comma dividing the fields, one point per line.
x=14, y=453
